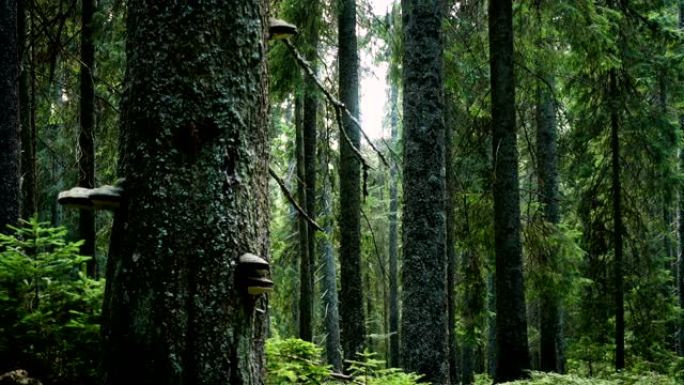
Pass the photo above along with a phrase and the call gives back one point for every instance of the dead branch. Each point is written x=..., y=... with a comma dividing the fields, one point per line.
x=293, y=201
x=336, y=103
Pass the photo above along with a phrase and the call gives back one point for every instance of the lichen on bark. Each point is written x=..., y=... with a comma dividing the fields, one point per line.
x=194, y=155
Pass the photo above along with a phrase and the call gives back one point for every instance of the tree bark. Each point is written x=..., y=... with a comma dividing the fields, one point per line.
x=310, y=134
x=511, y=321
x=393, y=235
x=424, y=338
x=305, y=280
x=28, y=167
x=333, y=349
x=617, y=224
x=194, y=152
x=547, y=173
x=452, y=267
x=353, y=326
x=86, y=144
x=680, y=264
x=10, y=143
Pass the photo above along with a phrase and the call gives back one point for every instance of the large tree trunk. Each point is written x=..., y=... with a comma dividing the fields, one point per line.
x=28, y=167
x=305, y=303
x=10, y=189
x=393, y=236
x=194, y=153
x=353, y=323
x=424, y=338
x=547, y=173
x=617, y=224
x=86, y=144
x=511, y=320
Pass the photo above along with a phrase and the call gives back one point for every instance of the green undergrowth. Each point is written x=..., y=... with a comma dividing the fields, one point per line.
x=49, y=309
x=293, y=361
x=623, y=378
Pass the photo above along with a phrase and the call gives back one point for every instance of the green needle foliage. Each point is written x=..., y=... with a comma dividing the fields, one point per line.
x=294, y=361
x=49, y=309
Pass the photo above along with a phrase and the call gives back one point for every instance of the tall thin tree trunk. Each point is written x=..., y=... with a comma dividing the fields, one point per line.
x=617, y=224
x=86, y=144
x=194, y=152
x=310, y=128
x=10, y=143
x=511, y=321
x=353, y=323
x=333, y=349
x=491, y=325
x=305, y=280
x=547, y=160
x=28, y=168
x=424, y=338
x=393, y=235
x=452, y=267
x=680, y=262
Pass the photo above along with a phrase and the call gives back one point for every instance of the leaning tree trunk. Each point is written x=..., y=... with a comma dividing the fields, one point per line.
x=511, y=319
x=194, y=153
x=10, y=189
x=424, y=338
x=86, y=144
x=353, y=322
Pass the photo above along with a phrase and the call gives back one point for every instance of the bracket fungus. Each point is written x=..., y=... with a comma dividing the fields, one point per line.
x=106, y=197
x=76, y=197
x=280, y=29
x=253, y=272
x=101, y=198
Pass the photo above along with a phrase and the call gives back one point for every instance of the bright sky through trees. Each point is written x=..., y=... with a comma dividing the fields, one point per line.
x=374, y=84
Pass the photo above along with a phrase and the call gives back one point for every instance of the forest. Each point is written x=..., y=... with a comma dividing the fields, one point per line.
x=342, y=192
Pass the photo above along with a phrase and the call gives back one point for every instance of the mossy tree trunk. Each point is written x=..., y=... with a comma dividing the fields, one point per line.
x=424, y=329
x=353, y=323
x=195, y=157
x=10, y=189
x=511, y=318
x=86, y=142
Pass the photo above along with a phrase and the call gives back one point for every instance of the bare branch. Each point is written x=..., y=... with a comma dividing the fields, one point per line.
x=335, y=102
x=293, y=201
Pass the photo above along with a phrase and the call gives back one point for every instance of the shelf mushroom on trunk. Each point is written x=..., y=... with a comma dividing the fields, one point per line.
x=101, y=198
x=280, y=29
x=253, y=272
